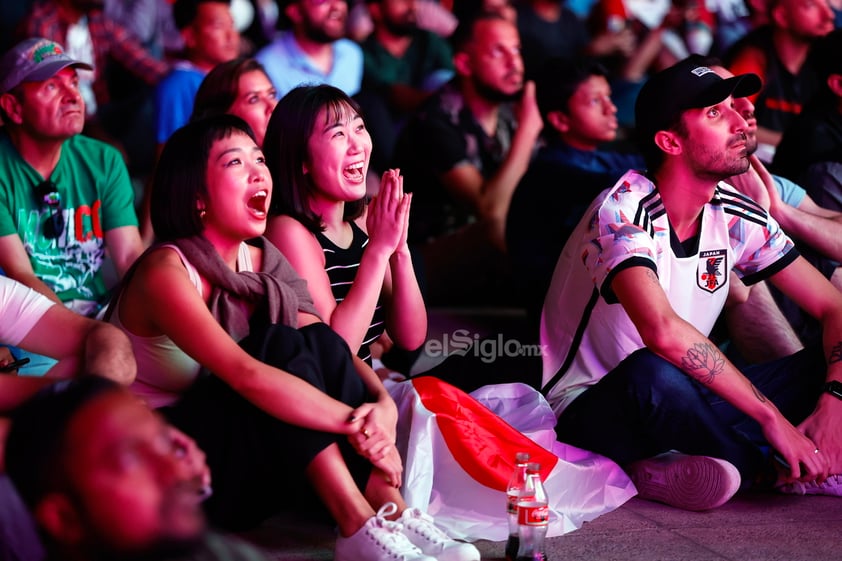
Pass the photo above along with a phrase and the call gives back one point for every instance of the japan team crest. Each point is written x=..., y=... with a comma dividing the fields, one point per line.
x=713, y=265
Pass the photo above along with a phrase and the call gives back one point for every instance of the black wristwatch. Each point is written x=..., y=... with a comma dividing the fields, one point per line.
x=834, y=388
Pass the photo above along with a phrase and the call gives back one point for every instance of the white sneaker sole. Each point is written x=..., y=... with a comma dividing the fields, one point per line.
x=686, y=482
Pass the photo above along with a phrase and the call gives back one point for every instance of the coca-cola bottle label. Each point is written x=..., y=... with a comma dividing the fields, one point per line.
x=538, y=515
x=511, y=504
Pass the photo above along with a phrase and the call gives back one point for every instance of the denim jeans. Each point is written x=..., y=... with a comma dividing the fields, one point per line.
x=646, y=406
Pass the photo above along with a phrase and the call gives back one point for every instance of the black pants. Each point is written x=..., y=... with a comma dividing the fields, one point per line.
x=257, y=462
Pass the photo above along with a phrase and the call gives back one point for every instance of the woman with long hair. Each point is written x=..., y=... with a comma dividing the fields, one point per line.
x=232, y=351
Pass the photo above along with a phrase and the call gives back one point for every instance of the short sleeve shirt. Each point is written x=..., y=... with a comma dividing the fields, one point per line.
x=287, y=66
x=426, y=54
x=585, y=333
x=96, y=196
x=174, y=99
x=20, y=309
x=442, y=135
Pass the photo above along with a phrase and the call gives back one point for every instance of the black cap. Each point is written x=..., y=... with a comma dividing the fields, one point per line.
x=685, y=85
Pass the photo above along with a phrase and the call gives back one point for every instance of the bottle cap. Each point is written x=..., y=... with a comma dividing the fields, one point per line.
x=522, y=457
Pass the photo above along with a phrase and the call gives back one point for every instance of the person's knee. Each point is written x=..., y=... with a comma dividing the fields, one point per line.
x=655, y=380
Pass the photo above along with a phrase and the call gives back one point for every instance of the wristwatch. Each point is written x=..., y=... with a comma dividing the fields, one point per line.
x=834, y=388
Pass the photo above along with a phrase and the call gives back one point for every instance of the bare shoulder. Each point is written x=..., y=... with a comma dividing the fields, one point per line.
x=159, y=266
x=293, y=238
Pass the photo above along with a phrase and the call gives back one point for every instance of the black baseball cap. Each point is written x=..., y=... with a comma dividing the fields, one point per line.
x=685, y=85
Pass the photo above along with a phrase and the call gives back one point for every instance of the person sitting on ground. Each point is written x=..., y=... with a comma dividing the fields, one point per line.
x=80, y=345
x=462, y=154
x=238, y=87
x=313, y=48
x=231, y=349
x=650, y=264
x=777, y=52
x=210, y=38
x=65, y=198
x=580, y=125
x=354, y=257
x=106, y=478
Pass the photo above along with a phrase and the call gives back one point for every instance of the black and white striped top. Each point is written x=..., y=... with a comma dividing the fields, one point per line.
x=341, y=266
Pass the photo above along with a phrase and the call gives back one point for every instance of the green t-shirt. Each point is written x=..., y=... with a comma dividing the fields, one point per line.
x=96, y=196
x=426, y=55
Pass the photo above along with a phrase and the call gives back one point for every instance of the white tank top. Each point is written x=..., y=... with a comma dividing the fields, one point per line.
x=164, y=371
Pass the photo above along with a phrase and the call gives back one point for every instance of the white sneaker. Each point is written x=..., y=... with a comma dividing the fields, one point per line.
x=832, y=486
x=422, y=531
x=682, y=481
x=378, y=540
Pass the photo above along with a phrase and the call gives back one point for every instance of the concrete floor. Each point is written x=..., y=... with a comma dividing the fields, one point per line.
x=751, y=527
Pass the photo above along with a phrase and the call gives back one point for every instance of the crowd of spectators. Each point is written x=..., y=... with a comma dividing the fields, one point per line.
x=648, y=182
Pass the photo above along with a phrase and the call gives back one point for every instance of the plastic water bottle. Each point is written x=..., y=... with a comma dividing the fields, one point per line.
x=513, y=492
x=533, y=516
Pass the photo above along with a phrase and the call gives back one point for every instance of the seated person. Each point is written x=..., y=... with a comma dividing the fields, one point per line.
x=355, y=258
x=79, y=345
x=462, y=154
x=312, y=48
x=815, y=136
x=815, y=229
x=107, y=478
x=64, y=198
x=239, y=87
x=231, y=349
x=777, y=52
x=650, y=264
x=402, y=65
x=209, y=36
x=580, y=123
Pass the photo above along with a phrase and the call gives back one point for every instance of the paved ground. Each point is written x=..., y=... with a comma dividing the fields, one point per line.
x=751, y=527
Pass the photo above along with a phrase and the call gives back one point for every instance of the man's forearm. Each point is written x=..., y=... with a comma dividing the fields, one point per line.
x=496, y=193
x=822, y=234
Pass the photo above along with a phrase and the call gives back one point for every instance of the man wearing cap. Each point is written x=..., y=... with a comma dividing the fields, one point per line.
x=64, y=197
x=628, y=366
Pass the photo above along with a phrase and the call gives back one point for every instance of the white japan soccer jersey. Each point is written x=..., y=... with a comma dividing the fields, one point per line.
x=585, y=332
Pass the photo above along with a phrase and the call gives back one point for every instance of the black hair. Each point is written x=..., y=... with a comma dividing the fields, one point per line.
x=218, y=90
x=184, y=11
x=558, y=79
x=464, y=32
x=36, y=446
x=285, y=149
x=179, y=181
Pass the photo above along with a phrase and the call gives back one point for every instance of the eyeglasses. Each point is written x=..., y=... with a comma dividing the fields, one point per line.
x=48, y=197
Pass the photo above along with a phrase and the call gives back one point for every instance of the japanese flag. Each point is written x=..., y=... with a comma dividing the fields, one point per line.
x=459, y=453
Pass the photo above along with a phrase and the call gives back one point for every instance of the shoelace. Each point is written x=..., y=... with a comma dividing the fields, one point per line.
x=422, y=523
x=391, y=534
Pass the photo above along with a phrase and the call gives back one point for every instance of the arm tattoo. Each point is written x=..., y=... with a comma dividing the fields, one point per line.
x=704, y=362
x=760, y=397
x=835, y=353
